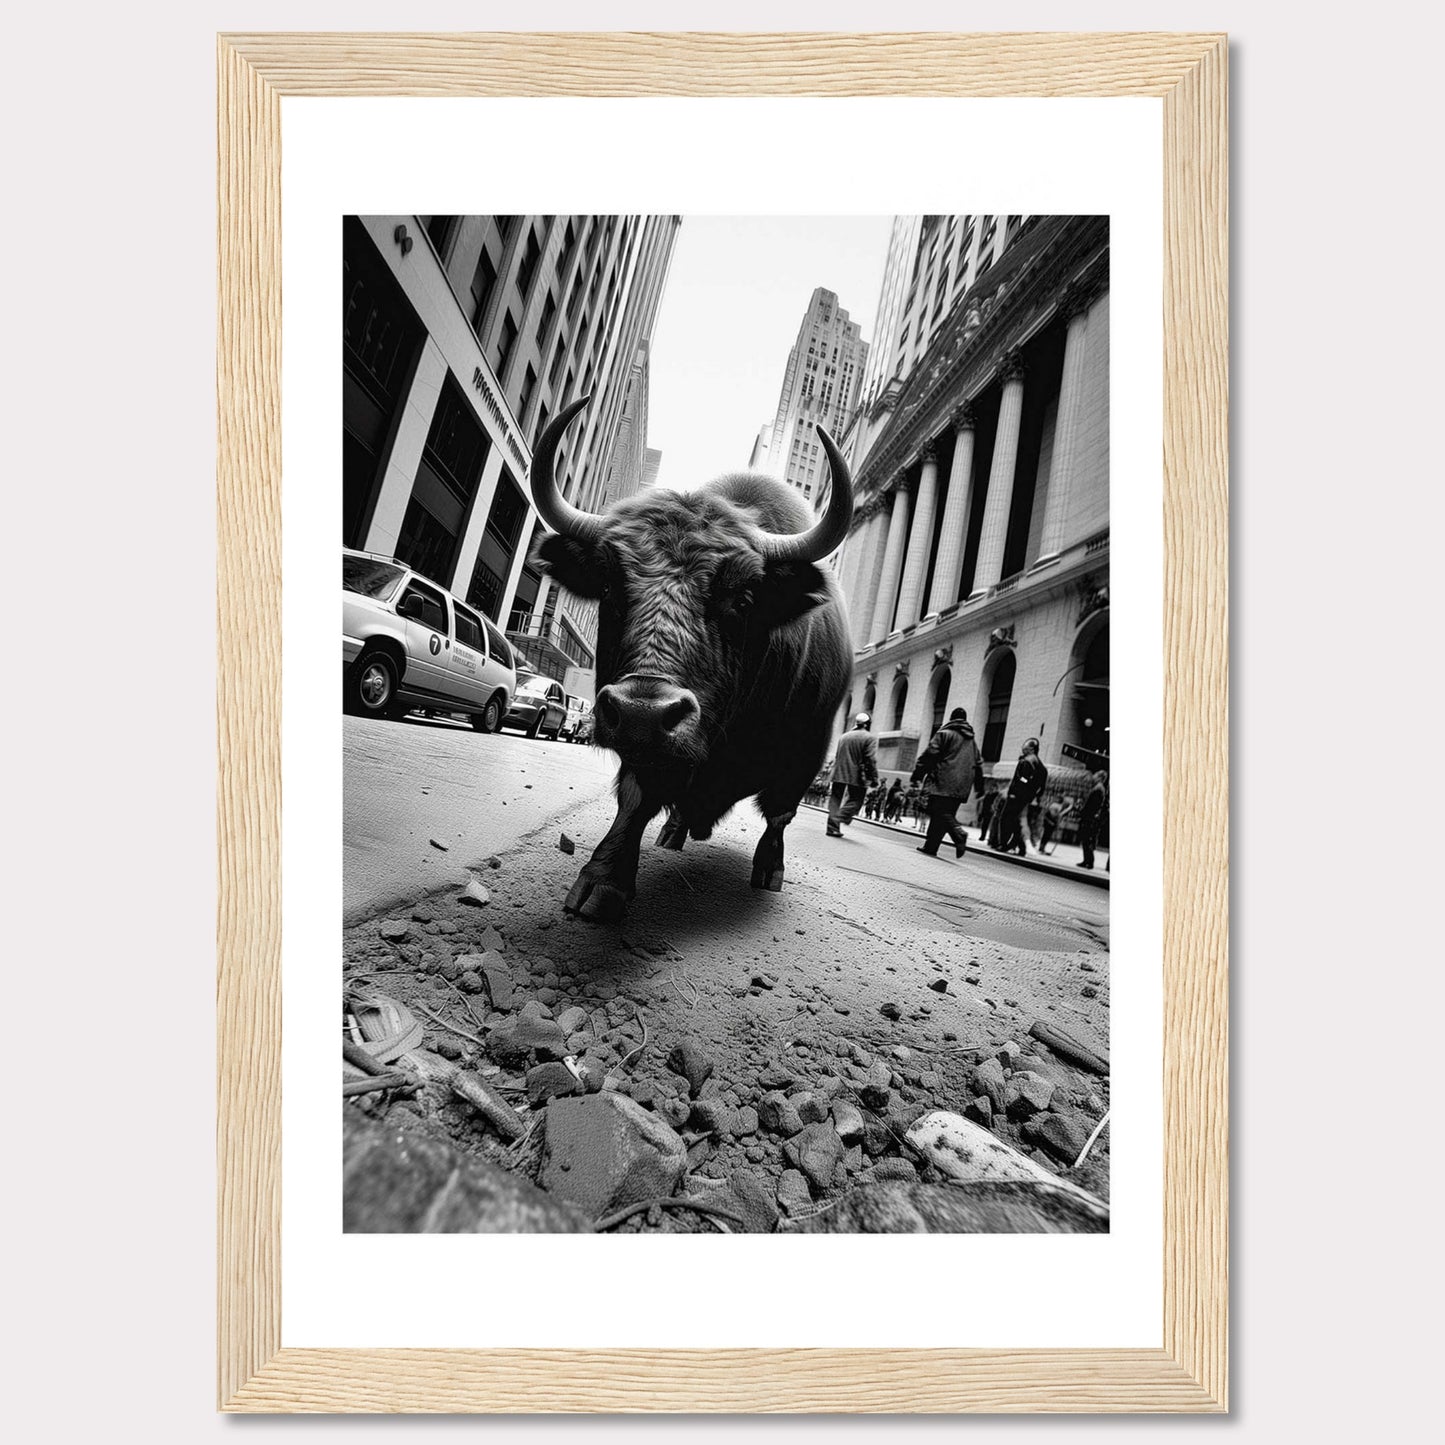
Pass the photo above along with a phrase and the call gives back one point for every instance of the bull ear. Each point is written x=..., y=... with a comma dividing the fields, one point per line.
x=574, y=564
x=788, y=590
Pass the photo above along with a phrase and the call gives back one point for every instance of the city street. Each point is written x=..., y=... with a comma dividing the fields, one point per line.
x=872, y=953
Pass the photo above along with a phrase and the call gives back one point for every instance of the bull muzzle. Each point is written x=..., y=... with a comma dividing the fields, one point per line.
x=648, y=719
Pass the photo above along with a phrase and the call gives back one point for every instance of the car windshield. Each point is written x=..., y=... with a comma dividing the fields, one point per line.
x=370, y=577
x=532, y=686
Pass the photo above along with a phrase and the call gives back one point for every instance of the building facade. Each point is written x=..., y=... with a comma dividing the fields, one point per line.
x=976, y=572
x=463, y=336
x=821, y=385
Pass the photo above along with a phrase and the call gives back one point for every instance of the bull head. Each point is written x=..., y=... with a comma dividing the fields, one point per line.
x=692, y=590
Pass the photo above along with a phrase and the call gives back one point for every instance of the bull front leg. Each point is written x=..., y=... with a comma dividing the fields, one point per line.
x=768, y=860
x=609, y=877
x=673, y=833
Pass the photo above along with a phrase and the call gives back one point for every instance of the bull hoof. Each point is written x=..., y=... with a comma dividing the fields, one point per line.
x=672, y=835
x=597, y=902
x=772, y=880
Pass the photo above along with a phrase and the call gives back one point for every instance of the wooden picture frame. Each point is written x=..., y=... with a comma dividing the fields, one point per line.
x=1189, y=1373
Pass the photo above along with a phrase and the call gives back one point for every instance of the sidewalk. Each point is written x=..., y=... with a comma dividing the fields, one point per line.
x=1061, y=862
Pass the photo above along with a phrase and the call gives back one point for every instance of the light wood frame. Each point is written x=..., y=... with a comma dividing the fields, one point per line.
x=1189, y=73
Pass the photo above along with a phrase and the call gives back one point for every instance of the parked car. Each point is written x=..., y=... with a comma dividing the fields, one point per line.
x=539, y=706
x=579, y=711
x=407, y=643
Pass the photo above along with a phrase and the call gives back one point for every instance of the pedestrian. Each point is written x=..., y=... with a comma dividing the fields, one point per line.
x=1054, y=816
x=855, y=770
x=890, y=803
x=1091, y=819
x=1033, y=814
x=984, y=810
x=952, y=770
x=1030, y=778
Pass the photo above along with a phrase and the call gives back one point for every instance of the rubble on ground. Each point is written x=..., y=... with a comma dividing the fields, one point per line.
x=581, y=1091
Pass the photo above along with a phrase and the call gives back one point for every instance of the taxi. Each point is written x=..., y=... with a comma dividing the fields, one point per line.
x=408, y=643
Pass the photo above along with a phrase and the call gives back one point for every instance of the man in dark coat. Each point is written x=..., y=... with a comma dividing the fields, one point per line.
x=1091, y=819
x=1029, y=780
x=855, y=770
x=953, y=769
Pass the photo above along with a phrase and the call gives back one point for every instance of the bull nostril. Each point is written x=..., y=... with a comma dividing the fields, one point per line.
x=608, y=713
x=673, y=714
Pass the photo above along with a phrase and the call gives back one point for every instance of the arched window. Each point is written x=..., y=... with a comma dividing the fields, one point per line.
x=940, y=697
x=900, y=698
x=1000, y=694
x=1086, y=719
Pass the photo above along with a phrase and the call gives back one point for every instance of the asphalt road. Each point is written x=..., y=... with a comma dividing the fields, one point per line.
x=409, y=783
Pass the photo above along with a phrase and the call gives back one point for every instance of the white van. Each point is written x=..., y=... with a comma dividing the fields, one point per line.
x=405, y=643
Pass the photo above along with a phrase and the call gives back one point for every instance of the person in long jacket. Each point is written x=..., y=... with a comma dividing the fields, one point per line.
x=952, y=769
x=855, y=770
x=1091, y=819
x=1030, y=779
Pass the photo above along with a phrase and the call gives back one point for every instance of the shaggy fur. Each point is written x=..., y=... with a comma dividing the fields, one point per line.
x=685, y=594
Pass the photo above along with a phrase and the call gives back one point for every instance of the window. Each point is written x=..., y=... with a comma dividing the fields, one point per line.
x=484, y=282
x=529, y=385
x=549, y=310
x=1000, y=695
x=433, y=612
x=542, y=416
x=501, y=648
x=506, y=225
x=555, y=370
x=439, y=231
x=469, y=629
x=900, y=699
x=505, y=341
x=528, y=269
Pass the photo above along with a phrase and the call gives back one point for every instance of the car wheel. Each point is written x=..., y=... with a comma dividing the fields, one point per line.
x=536, y=727
x=371, y=686
x=489, y=720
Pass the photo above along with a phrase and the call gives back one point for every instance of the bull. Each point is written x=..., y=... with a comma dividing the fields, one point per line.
x=723, y=654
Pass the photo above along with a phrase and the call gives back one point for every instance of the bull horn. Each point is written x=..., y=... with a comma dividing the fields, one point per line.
x=830, y=529
x=558, y=513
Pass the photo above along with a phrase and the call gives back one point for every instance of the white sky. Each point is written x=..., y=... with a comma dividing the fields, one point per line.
x=735, y=297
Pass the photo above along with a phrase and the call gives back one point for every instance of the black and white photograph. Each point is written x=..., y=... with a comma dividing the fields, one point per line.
x=725, y=724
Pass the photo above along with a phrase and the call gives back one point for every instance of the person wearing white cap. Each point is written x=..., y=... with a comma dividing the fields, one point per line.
x=855, y=770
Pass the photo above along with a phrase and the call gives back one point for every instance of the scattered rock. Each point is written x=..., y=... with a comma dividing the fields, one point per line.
x=776, y=1076
x=847, y=1120
x=984, y=1208
x=793, y=1192
x=712, y=1116
x=811, y=1109
x=1027, y=1095
x=748, y=1198
x=1062, y=1135
x=605, y=1151
x=778, y=1116
x=395, y=930
x=474, y=895
x=817, y=1151
x=494, y=861
x=516, y=1039
x=979, y=1110
x=675, y=1111
x=1089, y=991
x=938, y=985
x=1008, y=1055
x=886, y=1169
x=566, y=844
x=572, y=1019
x=437, y=843
x=890, y=1011
x=745, y=1122
x=550, y=1081
x=688, y=1059
x=988, y=1079
x=471, y=982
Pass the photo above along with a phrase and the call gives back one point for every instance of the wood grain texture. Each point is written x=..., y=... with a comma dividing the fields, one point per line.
x=1190, y=1372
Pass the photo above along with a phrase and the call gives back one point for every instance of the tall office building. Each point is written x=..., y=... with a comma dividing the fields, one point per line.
x=820, y=387
x=977, y=569
x=463, y=335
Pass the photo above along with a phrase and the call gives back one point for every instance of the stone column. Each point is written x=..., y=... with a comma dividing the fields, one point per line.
x=864, y=596
x=892, y=563
x=1063, y=467
x=994, y=536
x=916, y=563
x=953, y=537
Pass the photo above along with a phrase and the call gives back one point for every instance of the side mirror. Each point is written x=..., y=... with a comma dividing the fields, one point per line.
x=412, y=605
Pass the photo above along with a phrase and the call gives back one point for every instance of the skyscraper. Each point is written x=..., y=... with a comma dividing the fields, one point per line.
x=821, y=386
